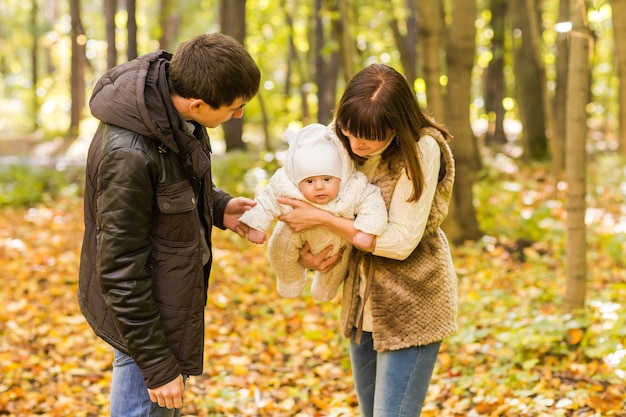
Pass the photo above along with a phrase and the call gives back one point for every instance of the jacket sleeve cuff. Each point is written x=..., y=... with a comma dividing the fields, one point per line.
x=167, y=371
x=220, y=200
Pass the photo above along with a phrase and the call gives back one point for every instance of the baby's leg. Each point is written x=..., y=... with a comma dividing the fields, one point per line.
x=325, y=286
x=283, y=251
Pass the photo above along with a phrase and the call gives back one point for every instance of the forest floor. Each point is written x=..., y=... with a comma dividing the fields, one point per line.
x=515, y=354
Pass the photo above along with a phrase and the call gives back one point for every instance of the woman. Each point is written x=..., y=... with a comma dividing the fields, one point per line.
x=400, y=295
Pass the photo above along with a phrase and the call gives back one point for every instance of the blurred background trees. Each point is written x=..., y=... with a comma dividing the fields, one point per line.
x=514, y=52
x=500, y=74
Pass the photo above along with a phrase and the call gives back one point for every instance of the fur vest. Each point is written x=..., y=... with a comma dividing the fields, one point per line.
x=414, y=301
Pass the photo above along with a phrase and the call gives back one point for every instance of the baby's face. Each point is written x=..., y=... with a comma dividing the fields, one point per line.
x=320, y=189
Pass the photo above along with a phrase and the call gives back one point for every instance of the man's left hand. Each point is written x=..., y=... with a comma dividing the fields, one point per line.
x=234, y=209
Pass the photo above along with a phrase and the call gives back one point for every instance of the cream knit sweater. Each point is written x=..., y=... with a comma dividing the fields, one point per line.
x=414, y=301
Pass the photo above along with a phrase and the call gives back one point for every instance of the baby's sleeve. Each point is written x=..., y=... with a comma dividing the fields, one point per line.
x=371, y=215
x=267, y=209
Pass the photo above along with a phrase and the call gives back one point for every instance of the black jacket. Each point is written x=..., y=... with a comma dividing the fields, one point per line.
x=149, y=202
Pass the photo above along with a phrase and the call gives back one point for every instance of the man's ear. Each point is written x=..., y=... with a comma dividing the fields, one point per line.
x=195, y=105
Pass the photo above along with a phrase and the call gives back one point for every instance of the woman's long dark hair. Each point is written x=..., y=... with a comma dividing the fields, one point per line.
x=378, y=104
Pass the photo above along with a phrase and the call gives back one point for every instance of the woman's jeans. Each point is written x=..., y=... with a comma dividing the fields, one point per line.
x=129, y=394
x=391, y=383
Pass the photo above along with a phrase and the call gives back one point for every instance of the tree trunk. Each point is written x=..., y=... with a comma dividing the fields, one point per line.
x=110, y=8
x=575, y=166
x=560, y=96
x=529, y=84
x=77, y=76
x=407, y=43
x=431, y=26
x=299, y=62
x=326, y=63
x=619, y=36
x=540, y=150
x=169, y=21
x=131, y=26
x=494, y=80
x=35, y=62
x=347, y=42
x=460, y=58
x=233, y=23
x=292, y=52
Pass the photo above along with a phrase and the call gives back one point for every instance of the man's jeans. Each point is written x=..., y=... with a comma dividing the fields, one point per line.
x=129, y=394
x=392, y=383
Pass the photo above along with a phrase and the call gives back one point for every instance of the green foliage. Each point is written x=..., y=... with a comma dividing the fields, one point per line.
x=511, y=325
x=243, y=173
x=238, y=172
x=530, y=212
x=606, y=196
x=22, y=185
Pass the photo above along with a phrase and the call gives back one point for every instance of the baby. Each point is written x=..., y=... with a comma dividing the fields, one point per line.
x=319, y=170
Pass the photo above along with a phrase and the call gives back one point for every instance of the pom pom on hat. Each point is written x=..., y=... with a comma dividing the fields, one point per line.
x=314, y=154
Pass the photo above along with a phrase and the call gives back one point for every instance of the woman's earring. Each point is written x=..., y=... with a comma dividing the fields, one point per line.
x=397, y=141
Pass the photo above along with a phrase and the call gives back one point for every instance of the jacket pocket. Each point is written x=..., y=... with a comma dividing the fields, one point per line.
x=177, y=221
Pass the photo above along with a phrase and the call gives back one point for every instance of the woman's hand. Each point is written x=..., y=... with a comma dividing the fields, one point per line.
x=320, y=262
x=303, y=217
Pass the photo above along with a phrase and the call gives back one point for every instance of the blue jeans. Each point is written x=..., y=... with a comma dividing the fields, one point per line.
x=392, y=383
x=129, y=393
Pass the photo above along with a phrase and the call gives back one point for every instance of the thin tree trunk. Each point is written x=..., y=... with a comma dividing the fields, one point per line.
x=494, y=81
x=619, y=35
x=529, y=86
x=110, y=8
x=540, y=150
x=233, y=23
x=326, y=66
x=460, y=54
x=131, y=26
x=266, y=123
x=300, y=66
x=169, y=21
x=347, y=42
x=407, y=43
x=560, y=97
x=35, y=62
x=431, y=27
x=575, y=166
x=77, y=76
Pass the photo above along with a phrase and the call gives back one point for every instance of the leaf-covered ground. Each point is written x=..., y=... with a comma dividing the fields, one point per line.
x=515, y=353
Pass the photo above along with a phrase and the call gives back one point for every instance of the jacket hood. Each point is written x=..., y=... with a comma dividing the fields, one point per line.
x=312, y=135
x=135, y=96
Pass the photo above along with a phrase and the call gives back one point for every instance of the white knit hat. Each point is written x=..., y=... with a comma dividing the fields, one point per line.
x=314, y=154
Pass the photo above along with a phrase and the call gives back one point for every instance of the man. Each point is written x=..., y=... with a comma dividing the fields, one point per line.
x=150, y=204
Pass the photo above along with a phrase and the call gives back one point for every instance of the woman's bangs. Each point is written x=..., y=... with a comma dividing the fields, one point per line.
x=367, y=124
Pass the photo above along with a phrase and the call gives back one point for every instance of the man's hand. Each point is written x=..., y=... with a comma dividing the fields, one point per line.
x=169, y=395
x=234, y=209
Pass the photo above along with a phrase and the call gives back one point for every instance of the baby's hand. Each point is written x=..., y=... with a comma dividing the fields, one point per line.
x=256, y=236
x=364, y=241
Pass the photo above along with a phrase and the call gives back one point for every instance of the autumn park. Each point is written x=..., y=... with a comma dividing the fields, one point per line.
x=533, y=92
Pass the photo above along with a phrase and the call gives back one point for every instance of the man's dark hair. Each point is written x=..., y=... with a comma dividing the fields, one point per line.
x=215, y=68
